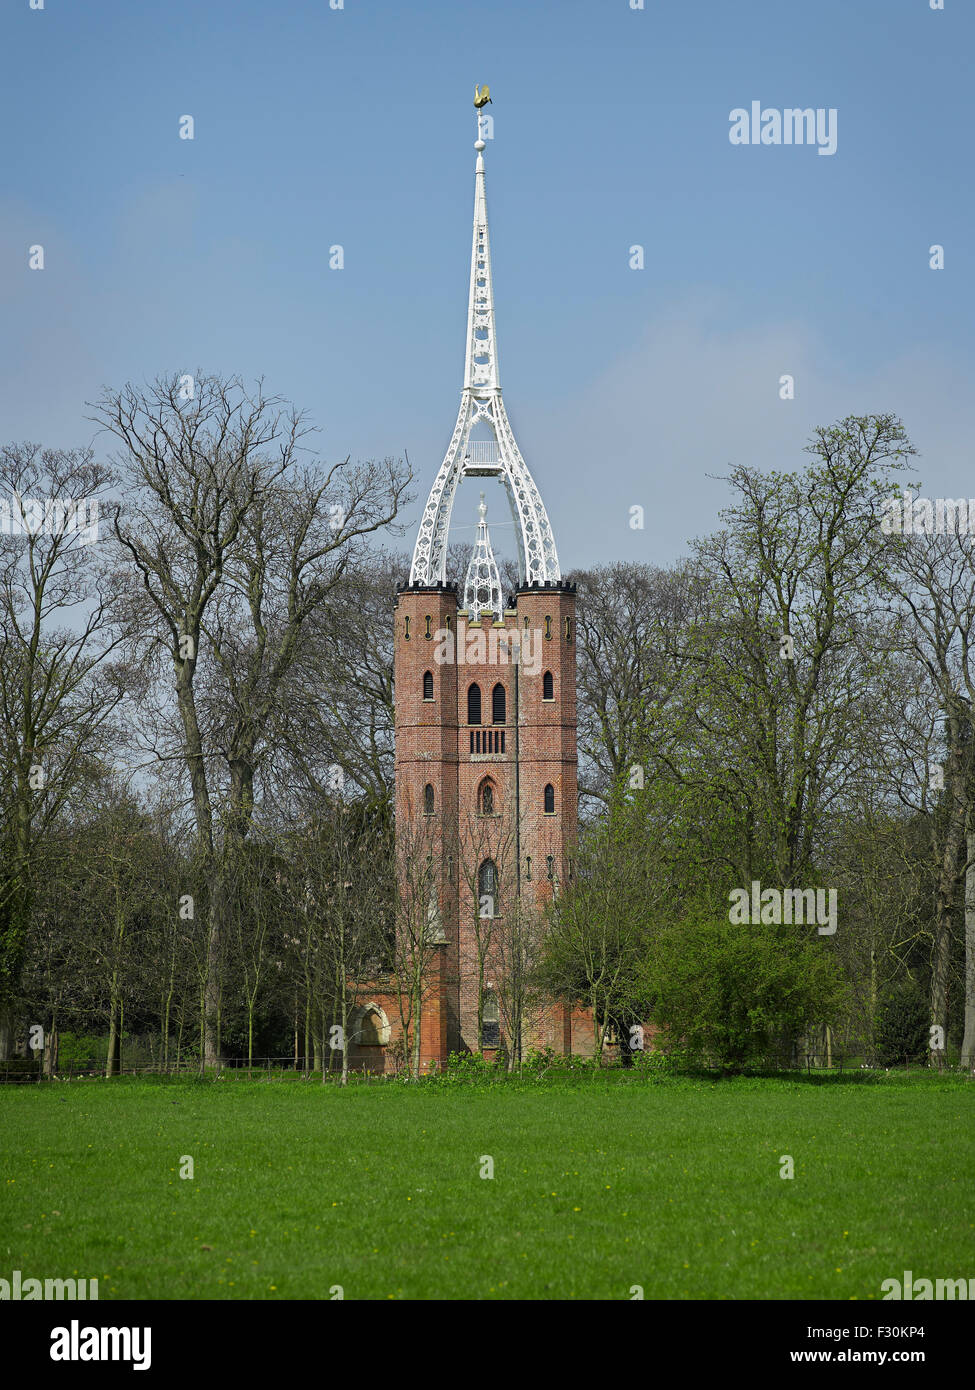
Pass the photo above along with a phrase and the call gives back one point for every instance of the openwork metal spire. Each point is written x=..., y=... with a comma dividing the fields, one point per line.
x=482, y=587
x=483, y=443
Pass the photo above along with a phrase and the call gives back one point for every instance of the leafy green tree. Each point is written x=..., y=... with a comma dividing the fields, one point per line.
x=739, y=993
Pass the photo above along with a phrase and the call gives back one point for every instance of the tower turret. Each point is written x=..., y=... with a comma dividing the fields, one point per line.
x=482, y=586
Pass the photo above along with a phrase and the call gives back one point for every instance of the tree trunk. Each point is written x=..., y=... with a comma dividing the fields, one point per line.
x=112, y=1060
x=416, y=1009
x=6, y=1031
x=211, y=991
x=51, y=1052
x=968, y=1041
x=946, y=893
x=480, y=1003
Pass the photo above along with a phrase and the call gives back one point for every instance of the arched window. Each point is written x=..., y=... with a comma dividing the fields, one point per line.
x=548, y=686
x=498, y=704
x=491, y=1019
x=487, y=889
x=550, y=800
x=428, y=685
x=369, y=1029
x=474, y=704
x=428, y=800
x=487, y=799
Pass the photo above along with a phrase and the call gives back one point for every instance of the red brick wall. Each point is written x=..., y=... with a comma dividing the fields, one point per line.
x=426, y=753
x=433, y=746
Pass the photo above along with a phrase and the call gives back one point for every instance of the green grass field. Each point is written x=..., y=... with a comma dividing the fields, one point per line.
x=599, y=1184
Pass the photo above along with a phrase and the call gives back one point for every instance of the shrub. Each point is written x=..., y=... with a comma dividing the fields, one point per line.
x=470, y=1066
x=81, y=1047
x=902, y=1025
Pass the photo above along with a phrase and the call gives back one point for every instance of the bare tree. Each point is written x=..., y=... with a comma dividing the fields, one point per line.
x=518, y=951
x=632, y=626
x=338, y=722
x=419, y=921
x=60, y=679
x=932, y=581
x=235, y=546
x=343, y=859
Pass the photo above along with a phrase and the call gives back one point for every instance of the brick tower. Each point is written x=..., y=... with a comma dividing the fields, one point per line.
x=485, y=694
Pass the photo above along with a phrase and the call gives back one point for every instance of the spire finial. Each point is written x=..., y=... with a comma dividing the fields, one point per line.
x=482, y=98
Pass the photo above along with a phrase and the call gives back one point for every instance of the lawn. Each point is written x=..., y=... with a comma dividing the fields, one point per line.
x=599, y=1185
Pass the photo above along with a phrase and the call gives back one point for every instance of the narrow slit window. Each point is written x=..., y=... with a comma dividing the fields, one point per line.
x=548, y=686
x=550, y=800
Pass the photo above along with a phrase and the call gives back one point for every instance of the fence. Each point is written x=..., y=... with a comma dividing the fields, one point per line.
x=22, y=1071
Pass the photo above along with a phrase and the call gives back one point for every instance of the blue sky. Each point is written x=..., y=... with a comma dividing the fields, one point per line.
x=316, y=127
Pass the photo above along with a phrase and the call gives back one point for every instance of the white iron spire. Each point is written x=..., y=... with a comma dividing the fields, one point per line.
x=482, y=587
x=497, y=457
